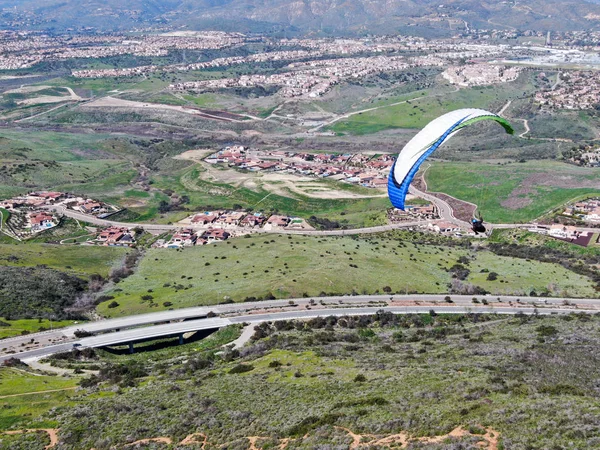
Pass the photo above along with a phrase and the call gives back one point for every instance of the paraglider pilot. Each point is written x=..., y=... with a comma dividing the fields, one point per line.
x=477, y=224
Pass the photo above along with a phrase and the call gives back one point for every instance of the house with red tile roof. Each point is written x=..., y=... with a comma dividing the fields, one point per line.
x=39, y=221
x=276, y=221
x=206, y=218
x=215, y=235
x=182, y=238
x=253, y=221
x=116, y=236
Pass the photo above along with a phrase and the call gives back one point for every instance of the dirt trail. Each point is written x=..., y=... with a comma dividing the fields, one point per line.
x=52, y=434
x=356, y=438
x=488, y=440
x=38, y=392
x=192, y=439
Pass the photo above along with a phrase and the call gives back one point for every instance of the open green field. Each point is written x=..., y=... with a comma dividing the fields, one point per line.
x=420, y=111
x=80, y=261
x=377, y=376
x=51, y=146
x=513, y=192
x=74, y=162
x=10, y=328
x=287, y=267
x=23, y=400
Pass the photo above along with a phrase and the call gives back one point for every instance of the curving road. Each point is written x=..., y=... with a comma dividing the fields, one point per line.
x=171, y=227
x=176, y=322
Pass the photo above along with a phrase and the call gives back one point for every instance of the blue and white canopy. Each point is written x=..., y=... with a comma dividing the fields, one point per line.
x=426, y=142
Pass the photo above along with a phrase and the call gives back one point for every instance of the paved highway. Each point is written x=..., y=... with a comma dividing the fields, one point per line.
x=338, y=306
x=166, y=227
x=137, y=320
x=302, y=315
x=19, y=343
x=373, y=301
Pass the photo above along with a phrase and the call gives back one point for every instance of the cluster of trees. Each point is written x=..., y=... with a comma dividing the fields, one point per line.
x=323, y=223
x=381, y=319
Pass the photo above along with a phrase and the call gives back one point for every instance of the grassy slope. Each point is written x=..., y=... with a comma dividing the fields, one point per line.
x=417, y=113
x=18, y=327
x=289, y=267
x=81, y=261
x=31, y=407
x=25, y=410
x=490, y=186
x=74, y=162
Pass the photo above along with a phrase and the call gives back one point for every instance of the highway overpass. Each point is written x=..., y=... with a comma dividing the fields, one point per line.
x=133, y=335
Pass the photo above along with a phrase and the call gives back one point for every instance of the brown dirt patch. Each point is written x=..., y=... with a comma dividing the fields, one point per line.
x=193, y=439
x=462, y=210
x=160, y=440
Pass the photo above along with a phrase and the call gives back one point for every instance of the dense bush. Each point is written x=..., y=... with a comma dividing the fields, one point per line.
x=323, y=223
x=37, y=292
x=242, y=368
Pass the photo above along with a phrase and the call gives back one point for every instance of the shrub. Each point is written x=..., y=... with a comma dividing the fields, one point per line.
x=13, y=362
x=241, y=368
x=546, y=330
x=82, y=333
x=492, y=276
x=113, y=304
x=360, y=378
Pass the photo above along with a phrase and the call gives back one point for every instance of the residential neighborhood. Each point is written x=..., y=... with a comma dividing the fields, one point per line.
x=480, y=74
x=413, y=212
x=360, y=169
x=574, y=90
x=33, y=213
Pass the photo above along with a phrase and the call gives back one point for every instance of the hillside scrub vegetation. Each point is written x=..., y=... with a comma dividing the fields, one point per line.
x=377, y=375
x=37, y=292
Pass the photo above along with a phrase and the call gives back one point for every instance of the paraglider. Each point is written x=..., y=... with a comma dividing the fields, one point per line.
x=477, y=224
x=429, y=139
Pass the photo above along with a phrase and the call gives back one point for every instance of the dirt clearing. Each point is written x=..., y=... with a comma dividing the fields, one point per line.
x=278, y=183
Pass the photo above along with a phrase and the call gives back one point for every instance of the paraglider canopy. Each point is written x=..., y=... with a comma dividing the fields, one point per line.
x=426, y=142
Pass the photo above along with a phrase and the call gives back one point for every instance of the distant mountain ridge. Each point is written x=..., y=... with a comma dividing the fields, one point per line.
x=316, y=16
